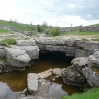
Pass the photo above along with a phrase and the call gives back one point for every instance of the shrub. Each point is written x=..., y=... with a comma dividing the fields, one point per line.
x=54, y=31
x=39, y=28
x=7, y=42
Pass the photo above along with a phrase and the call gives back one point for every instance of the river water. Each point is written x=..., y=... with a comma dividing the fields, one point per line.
x=17, y=79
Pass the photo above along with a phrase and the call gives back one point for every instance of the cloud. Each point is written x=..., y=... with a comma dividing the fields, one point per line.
x=54, y=12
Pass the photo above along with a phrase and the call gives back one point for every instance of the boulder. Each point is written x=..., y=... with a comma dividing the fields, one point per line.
x=92, y=76
x=45, y=74
x=72, y=77
x=56, y=72
x=32, y=51
x=32, y=82
x=79, y=63
x=26, y=42
x=17, y=57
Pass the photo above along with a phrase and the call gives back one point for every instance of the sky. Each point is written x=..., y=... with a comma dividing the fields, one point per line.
x=63, y=13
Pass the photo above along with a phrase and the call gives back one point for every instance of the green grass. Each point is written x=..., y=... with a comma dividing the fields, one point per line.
x=4, y=31
x=79, y=33
x=7, y=42
x=91, y=94
x=18, y=26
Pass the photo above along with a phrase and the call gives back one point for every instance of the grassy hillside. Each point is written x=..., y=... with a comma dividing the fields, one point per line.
x=18, y=26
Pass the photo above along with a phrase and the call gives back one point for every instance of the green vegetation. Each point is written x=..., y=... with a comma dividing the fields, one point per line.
x=3, y=31
x=3, y=59
x=54, y=31
x=91, y=94
x=7, y=42
x=79, y=33
x=40, y=28
x=18, y=26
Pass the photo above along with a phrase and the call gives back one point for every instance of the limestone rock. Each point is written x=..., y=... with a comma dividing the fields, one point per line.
x=94, y=58
x=26, y=42
x=16, y=57
x=56, y=72
x=32, y=82
x=91, y=76
x=32, y=51
x=72, y=77
x=70, y=51
x=79, y=63
x=45, y=74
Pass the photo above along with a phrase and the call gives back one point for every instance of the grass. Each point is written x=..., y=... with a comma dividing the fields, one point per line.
x=18, y=26
x=7, y=42
x=79, y=33
x=4, y=31
x=91, y=94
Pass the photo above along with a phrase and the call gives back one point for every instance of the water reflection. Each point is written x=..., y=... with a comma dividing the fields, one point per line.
x=56, y=91
x=6, y=92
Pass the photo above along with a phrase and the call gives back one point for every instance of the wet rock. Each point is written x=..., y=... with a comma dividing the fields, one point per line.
x=72, y=77
x=32, y=82
x=45, y=74
x=56, y=72
x=25, y=42
x=16, y=57
x=6, y=92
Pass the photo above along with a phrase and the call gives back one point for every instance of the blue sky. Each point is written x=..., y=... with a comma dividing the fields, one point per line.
x=54, y=12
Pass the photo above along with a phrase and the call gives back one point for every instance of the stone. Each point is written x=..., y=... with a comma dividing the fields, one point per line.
x=72, y=77
x=26, y=42
x=32, y=51
x=83, y=53
x=94, y=58
x=56, y=72
x=2, y=53
x=17, y=57
x=32, y=82
x=70, y=51
x=91, y=76
x=79, y=63
x=45, y=74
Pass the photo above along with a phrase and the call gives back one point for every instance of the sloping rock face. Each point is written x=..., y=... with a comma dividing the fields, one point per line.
x=74, y=48
x=17, y=57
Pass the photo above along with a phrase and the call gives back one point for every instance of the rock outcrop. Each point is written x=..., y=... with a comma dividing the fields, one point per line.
x=73, y=48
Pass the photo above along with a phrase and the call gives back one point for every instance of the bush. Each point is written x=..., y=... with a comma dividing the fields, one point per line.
x=54, y=31
x=7, y=42
x=39, y=28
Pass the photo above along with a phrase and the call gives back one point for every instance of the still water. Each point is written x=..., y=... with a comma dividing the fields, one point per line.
x=17, y=79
